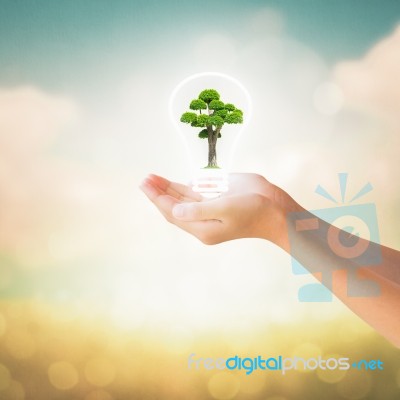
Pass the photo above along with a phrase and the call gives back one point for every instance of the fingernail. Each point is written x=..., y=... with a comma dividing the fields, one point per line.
x=147, y=188
x=143, y=185
x=146, y=180
x=178, y=211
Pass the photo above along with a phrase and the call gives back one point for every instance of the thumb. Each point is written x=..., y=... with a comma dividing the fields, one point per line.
x=199, y=211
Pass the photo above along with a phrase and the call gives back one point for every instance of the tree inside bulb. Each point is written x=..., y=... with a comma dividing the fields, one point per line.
x=218, y=106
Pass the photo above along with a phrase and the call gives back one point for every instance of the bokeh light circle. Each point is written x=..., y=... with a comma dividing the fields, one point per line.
x=254, y=383
x=63, y=375
x=99, y=394
x=15, y=391
x=355, y=385
x=307, y=351
x=5, y=377
x=3, y=325
x=329, y=375
x=223, y=386
x=99, y=371
x=20, y=344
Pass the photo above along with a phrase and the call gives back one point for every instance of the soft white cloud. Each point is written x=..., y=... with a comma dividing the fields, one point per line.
x=215, y=51
x=371, y=89
x=328, y=98
x=373, y=83
x=30, y=119
x=267, y=21
x=44, y=197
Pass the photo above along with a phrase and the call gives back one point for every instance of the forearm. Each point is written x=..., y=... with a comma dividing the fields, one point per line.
x=256, y=208
x=308, y=243
x=381, y=312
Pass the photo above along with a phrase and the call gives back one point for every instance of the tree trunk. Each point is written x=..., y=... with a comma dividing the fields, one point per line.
x=212, y=154
x=212, y=151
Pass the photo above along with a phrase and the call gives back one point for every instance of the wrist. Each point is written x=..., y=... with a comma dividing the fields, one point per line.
x=276, y=218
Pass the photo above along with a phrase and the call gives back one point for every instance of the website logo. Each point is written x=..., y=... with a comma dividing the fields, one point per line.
x=338, y=231
x=280, y=363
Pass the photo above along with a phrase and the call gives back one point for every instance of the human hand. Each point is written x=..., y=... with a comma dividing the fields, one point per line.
x=253, y=207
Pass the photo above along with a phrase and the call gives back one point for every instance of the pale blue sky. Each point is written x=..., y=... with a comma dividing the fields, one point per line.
x=59, y=44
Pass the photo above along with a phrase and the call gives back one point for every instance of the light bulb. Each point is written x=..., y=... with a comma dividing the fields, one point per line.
x=211, y=154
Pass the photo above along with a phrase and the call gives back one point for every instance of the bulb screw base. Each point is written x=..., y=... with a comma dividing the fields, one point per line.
x=210, y=183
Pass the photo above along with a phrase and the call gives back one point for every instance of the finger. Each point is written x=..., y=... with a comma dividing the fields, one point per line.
x=206, y=231
x=150, y=189
x=177, y=190
x=200, y=211
x=165, y=203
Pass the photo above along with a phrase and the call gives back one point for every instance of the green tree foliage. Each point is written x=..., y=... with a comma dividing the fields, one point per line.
x=198, y=104
x=216, y=105
x=203, y=134
x=229, y=107
x=234, y=117
x=215, y=115
x=203, y=120
x=188, y=117
x=208, y=95
x=222, y=113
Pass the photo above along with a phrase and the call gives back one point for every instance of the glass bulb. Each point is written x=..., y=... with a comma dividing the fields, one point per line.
x=210, y=156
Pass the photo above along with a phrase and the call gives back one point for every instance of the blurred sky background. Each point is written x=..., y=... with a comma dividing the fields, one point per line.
x=84, y=89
